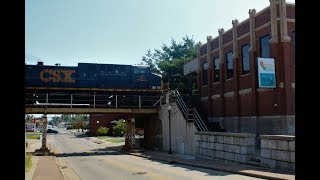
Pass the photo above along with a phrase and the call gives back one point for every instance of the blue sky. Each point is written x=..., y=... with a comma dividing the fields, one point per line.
x=121, y=31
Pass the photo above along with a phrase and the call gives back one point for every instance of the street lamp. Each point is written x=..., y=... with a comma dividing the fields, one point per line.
x=169, y=111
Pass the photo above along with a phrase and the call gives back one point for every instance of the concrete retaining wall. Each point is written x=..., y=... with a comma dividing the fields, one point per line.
x=182, y=132
x=237, y=147
x=278, y=152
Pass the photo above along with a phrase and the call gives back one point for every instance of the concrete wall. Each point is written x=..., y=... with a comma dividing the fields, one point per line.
x=182, y=132
x=278, y=152
x=221, y=146
x=271, y=125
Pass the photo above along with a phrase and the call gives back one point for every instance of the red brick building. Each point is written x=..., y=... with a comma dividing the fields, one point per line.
x=103, y=120
x=228, y=76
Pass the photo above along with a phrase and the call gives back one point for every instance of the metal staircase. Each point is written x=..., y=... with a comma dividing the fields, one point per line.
x=190, y=115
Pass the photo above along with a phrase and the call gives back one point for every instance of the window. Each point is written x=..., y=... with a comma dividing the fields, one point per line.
x=216, y=70
x=245, y=59
x=205, y=74
x=264, y=46
x=229, y=65
x=294, y=46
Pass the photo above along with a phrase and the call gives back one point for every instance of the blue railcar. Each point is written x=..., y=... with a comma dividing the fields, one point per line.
x=104, y=76
x=92, y=75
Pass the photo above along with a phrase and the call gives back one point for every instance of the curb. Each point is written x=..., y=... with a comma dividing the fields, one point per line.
x=205, y=167
x=64, y=168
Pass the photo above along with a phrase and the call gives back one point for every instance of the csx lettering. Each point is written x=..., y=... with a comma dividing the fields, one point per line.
x=55, y=75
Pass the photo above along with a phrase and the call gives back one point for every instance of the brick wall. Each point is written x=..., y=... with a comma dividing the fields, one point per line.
x=104, y=121
x=257, y=102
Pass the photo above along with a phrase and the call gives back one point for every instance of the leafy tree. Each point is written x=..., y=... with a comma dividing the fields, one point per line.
x=102, y=131
x=73, y=118
x=29, y=118
x=119, y=128
x=37, y=124
x=54, y=121
x=170, y=59
x=80, y=125
x=150, y=60
x=66, y=117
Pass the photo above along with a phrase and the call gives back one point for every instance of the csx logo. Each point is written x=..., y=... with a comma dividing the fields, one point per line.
x=57, y=75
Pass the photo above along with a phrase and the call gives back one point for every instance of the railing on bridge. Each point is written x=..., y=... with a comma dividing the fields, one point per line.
x=90, y=100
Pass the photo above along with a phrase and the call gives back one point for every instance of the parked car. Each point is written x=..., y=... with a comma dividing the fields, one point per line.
x=52, y=131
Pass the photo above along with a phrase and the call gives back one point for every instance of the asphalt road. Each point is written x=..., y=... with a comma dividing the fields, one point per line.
x=89, y=160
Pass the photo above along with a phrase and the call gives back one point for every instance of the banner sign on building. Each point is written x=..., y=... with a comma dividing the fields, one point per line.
x=266, y=73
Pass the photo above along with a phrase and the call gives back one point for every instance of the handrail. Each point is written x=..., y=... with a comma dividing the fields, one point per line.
x=198, y=118
x=183, y=107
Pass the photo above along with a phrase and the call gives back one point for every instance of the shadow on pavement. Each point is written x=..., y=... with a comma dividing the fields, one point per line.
x=106, y=151
x=207, y=166
x=95, y=153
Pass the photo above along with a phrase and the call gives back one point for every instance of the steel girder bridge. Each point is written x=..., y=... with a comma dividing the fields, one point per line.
x=41, y=100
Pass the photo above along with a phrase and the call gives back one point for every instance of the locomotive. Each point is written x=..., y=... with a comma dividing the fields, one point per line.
x=92, y=75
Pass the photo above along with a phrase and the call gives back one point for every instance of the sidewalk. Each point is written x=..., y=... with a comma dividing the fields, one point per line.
x=235, y=168
x=47, y=169
x=43, y=167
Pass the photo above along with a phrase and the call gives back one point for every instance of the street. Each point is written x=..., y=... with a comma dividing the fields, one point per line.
x=84, y=159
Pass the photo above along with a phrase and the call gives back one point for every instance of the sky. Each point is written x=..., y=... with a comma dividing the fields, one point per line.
x=122, y=31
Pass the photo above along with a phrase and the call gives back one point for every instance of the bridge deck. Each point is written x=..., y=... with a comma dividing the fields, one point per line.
x=39, y=110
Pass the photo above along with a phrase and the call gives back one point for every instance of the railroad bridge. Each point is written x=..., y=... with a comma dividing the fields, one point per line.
x=114, y=92
x=130, y=103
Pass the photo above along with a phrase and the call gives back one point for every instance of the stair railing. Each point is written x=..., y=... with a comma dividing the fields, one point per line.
x=185, y=111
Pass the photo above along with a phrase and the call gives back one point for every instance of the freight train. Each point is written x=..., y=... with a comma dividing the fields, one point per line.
x=92, y=75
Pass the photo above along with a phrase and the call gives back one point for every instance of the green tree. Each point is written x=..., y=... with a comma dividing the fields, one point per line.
x=170, y=59
x=54, y=121
x=79, y=125
x=119, y=128
x=66, y=117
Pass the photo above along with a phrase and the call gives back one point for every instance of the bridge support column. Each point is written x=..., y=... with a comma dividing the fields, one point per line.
x=43, y=150
x=129, y=134
x=44, y=132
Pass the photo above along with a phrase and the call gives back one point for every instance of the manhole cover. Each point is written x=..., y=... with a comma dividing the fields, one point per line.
x=139, y=173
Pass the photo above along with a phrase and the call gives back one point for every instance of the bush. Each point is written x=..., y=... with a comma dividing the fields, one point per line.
x=102, y=131
x=119, y=128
